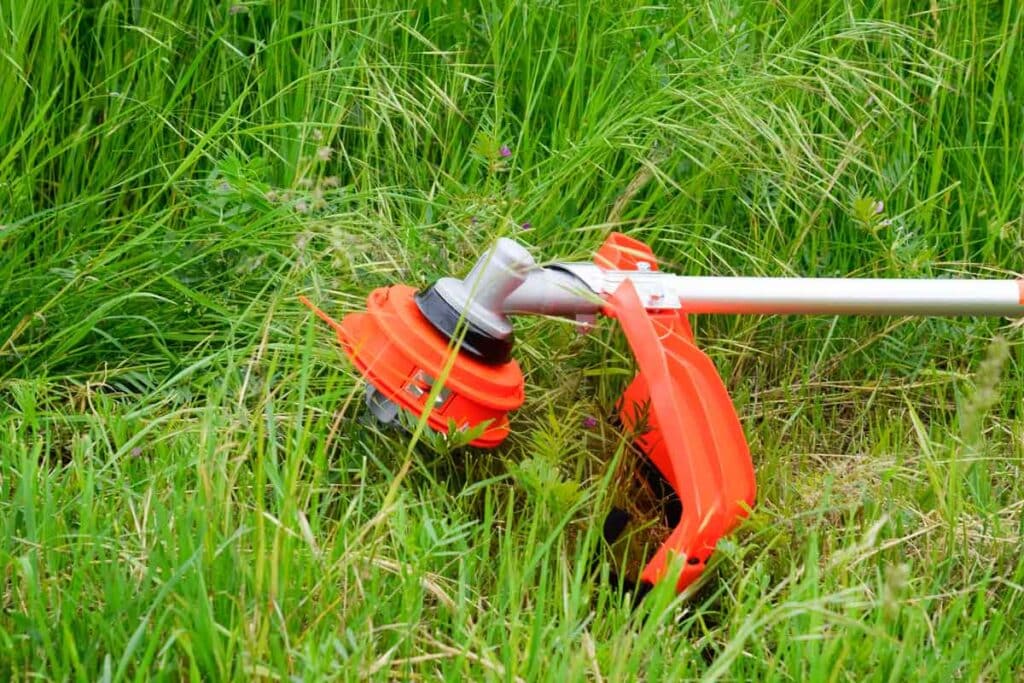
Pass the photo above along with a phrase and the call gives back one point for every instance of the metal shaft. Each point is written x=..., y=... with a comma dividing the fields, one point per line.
x=577, y=288
x=849, y=295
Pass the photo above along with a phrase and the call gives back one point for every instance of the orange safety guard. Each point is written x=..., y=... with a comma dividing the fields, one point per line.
x=683, y=420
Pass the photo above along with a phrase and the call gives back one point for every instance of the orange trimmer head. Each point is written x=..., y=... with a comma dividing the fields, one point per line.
x=444, y=354
x=401, y=355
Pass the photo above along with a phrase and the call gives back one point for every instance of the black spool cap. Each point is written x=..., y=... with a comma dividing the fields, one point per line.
x=475, y=342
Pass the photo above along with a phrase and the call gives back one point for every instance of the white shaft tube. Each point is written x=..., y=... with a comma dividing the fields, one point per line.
x=767, y=295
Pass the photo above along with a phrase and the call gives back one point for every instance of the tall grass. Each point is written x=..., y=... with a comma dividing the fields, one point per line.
x=187, y=488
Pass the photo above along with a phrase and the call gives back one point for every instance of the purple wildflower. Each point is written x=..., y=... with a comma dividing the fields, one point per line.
x=527, y=225
x=136, y=452
x=505, y=152
x=589, y=422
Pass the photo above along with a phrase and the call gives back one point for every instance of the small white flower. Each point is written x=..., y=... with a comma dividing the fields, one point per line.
x=301, y=206
x=324, y=153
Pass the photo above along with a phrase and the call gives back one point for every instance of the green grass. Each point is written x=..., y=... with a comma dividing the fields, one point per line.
x=187, y=489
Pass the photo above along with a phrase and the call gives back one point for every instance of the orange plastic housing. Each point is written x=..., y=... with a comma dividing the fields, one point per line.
x=682, y=419
x=402, y=355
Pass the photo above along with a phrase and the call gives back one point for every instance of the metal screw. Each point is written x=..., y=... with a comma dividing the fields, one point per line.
x=585, y=322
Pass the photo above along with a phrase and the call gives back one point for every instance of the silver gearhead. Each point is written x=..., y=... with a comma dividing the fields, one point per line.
x=481, y=295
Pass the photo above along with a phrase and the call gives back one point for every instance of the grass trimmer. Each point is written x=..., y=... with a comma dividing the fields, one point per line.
x=445, y=354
